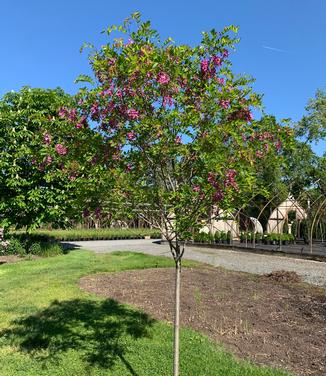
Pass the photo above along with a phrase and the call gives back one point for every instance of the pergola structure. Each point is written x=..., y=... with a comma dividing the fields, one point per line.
x=280, y=215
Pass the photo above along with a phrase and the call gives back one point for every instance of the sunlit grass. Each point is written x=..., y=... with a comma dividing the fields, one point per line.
x=48, y=326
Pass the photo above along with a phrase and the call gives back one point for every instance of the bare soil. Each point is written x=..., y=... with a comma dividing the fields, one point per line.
x=263, y=319
x=9, y=259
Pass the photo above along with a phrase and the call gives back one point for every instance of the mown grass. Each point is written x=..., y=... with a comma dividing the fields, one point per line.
x=48, y=326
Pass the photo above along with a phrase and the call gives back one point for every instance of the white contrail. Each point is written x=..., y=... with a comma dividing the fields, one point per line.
x=273, y=49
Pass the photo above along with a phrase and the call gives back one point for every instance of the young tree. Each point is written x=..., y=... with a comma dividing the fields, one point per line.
x=178, y=127
x=43, y=158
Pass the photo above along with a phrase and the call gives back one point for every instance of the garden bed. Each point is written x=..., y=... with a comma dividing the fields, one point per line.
x=269, y=322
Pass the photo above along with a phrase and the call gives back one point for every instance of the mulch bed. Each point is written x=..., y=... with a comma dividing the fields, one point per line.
x=264, y=319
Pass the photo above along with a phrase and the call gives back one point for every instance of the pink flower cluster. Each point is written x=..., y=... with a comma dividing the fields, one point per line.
x=224, y=103
x=208, y=66
x=217, y=60
x=242, y=114
x=69, y=114
x=167, y=101
x=95, y=111
x=178, y=139
x=131, y=135
x=230, y=179
x=128, y=167
x=47, y=139
x=196, y=188
x=61, y=150
x=278, y=145
x=163, y=78
x=204, y=66
x=220, y=80
x=82, y=122
x=218, y=195
x=48, y=159
x=133, y=114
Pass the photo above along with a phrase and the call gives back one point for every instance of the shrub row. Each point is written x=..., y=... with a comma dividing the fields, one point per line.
x=266, y=238
x=14, y=246
x=92, y=234
x=219, y=237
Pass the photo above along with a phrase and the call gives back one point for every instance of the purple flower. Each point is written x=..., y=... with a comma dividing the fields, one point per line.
x=225, y=53
x=60, y=149
x=128, y=167
x=97, y=212
x=85, y=213
x=129, y=43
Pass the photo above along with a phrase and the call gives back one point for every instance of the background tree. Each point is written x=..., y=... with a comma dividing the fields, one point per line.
x=312, y=127
x=45, y=161
x=178, y=129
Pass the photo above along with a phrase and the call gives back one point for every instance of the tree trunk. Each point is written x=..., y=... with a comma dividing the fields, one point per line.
x=177, y=318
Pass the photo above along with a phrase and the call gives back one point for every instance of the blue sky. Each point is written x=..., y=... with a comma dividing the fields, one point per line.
x=282, y=41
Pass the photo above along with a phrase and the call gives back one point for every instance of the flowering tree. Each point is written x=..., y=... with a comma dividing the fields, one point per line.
x=44, y=161
x=178, y=128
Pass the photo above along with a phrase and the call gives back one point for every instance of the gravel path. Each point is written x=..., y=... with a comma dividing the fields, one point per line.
x=311, y=271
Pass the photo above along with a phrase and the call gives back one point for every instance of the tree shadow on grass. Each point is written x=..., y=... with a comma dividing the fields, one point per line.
x=98, y=330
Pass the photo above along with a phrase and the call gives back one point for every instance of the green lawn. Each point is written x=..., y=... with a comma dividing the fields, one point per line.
x=48, y=326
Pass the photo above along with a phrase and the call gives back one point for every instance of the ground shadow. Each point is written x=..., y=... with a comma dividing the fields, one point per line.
x=97, y=329
x=67, y=246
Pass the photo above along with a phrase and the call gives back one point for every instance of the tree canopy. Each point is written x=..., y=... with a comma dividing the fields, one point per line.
x=41, y=158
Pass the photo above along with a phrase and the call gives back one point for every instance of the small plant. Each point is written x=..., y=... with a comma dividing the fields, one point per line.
x=228, y=237
x=217, y=237
x=211, y=238
x=223, y=237
x=3, y=247
x=15, y=247
x=258, y=237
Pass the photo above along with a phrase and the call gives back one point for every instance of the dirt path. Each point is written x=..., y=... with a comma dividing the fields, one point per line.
x=278, y=324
